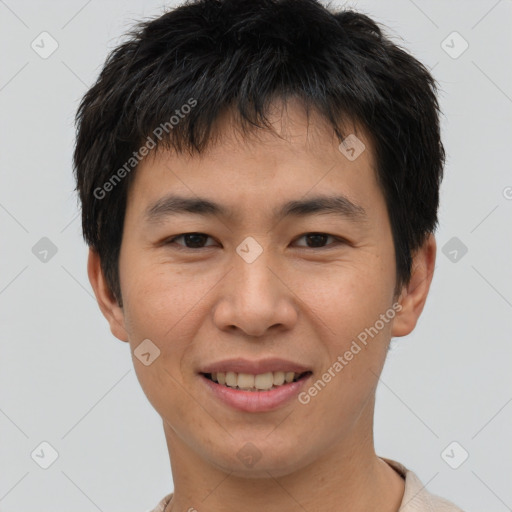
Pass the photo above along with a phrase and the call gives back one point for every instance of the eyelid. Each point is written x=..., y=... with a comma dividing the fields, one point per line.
x=338, y=241
x=171, y=241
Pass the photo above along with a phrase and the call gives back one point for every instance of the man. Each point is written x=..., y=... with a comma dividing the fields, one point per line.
x=259, y=184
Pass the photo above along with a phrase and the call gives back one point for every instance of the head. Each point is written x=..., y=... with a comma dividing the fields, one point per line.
x=303, y=148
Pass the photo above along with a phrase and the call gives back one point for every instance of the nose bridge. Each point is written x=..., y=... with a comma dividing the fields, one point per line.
x=252, y=269
x=254, y=298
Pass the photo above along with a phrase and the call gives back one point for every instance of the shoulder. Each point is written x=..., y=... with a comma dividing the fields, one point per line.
x=162, y=504
x=416, y=497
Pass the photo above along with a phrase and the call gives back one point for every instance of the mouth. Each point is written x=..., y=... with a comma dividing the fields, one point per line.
x=254, y=386
x=256, y=383
x=255, y=393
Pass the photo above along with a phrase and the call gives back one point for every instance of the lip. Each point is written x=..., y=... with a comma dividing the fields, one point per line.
x=256, y=401
x=240, y=365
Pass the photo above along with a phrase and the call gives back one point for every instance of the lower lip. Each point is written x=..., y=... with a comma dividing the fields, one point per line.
x=256, y=401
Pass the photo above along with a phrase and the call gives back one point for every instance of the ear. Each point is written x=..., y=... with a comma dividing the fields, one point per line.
x=106, y=301
x=414, y=294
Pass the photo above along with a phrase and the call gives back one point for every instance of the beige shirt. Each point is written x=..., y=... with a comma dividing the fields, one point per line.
x=416, y=497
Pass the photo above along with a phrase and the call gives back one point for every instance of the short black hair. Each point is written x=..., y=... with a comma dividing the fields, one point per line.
x=214, y=56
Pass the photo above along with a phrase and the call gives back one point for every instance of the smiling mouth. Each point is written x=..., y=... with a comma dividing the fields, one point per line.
x=261, y=382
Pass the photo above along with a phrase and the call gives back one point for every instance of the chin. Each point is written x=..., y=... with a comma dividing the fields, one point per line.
x=252, y=462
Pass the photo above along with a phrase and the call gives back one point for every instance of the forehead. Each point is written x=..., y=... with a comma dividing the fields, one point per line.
x=301, y=159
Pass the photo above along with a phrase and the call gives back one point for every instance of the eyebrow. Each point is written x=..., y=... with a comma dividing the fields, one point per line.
x=171, y=205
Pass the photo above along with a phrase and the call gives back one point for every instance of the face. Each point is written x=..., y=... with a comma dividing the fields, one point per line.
x=257, y=289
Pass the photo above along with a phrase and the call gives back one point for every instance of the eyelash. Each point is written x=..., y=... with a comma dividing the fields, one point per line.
x=171, y=241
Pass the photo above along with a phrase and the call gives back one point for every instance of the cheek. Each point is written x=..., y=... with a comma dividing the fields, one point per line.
x=160, y=304
x=347, y=299
x=161, y=301
x=353, y=317
x=354, y=340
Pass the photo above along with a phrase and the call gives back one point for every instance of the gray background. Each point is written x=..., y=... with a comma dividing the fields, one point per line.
x=66, y=380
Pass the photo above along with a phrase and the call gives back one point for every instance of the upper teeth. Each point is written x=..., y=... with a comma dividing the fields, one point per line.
x=262, y=381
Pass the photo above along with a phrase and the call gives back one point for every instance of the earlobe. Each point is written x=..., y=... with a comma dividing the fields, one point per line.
x=414, y=294
x=106, y=301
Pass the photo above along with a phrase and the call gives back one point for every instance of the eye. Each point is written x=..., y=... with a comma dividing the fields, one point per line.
x=318, y=239
x=193, y=239
x=196, y=240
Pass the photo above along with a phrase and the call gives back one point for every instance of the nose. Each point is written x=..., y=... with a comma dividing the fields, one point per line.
x=255, y=299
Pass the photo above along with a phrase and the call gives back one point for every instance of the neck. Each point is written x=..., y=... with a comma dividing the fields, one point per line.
x=347, y=477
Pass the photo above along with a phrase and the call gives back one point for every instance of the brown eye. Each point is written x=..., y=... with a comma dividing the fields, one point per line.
x=197, y=241
x=192, y=240
x=318, y=240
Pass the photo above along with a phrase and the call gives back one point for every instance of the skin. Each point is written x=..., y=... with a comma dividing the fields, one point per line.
x=294, y=301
